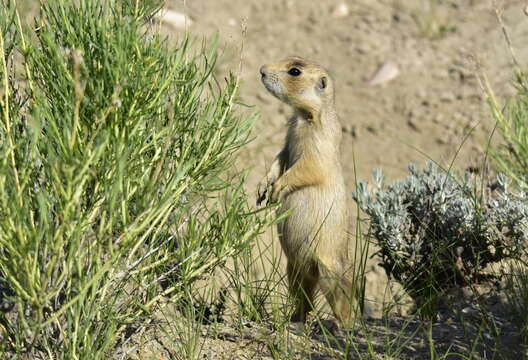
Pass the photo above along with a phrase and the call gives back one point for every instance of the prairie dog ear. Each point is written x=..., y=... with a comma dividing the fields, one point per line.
x=322, y=83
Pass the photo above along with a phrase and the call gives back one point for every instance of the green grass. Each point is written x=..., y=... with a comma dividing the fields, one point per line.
x=511, y=155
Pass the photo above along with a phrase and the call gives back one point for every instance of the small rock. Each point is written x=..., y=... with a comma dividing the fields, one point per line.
x=470, y=311
x=447, y=97
x=362, y=48
x=371, y=129
x=438, y=119
x=174, y=18
x=231, y=22
x=440, y=141
x=526, y=10
x=341, y=11
x=385, y=73
x=413, y=125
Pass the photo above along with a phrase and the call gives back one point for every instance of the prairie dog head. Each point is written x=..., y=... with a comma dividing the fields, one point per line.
x=304, y=85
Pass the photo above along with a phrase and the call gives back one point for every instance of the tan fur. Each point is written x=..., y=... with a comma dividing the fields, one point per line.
x=307, y=177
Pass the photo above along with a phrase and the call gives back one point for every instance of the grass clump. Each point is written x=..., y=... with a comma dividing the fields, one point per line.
x=114, y=193
x=436, y=231
x=511, y=155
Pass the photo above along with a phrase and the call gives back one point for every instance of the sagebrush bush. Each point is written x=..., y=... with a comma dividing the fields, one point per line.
x=436, y=230
x=113, y=186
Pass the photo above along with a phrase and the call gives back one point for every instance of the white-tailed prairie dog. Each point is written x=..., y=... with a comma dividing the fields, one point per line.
x=306, y=176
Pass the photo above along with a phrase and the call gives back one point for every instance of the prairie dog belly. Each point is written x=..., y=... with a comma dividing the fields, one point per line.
x=317, y=217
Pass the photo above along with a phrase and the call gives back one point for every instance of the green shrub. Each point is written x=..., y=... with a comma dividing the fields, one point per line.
x=113, y=159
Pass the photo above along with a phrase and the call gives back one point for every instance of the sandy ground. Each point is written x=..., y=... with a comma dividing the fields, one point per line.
x=434, y=109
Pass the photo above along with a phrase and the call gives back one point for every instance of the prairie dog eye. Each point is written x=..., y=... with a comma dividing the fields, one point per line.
x=294, y=72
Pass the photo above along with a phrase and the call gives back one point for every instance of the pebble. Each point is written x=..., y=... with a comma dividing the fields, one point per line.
x=470, y=311
x=412, y=125
x=176, y=19
x=526, y=10
x=441, y=141
x=447, y=97
x=341, y=11
x=371, y=129
x=385, y=73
